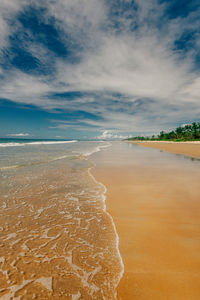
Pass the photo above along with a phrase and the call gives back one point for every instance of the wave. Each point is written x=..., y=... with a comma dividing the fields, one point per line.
x=97, y=149
x=9, y=167
x=11, y=144
x=52, y=142
x=36, y=143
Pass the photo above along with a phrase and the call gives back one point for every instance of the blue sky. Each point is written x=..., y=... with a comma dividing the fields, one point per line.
x=95, y=68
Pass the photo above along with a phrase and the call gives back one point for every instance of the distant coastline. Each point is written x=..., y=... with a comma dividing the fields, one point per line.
x=187, y=132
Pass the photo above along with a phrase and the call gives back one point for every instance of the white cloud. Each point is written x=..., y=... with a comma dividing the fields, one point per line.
x=25, y=88
x=8, y=10
x=135, y=67
x=140, y=65
x=18, y=134
x=109, y=135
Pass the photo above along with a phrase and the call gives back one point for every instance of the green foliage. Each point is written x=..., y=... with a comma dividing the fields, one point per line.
x=190, y=132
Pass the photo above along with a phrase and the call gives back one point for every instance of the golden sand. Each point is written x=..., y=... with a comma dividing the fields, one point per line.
x=185, y=148
x=156, y=211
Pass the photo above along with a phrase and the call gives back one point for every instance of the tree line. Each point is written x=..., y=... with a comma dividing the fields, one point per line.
x=189, y=132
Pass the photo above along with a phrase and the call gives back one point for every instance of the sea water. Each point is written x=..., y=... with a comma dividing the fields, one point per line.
x=56, y=239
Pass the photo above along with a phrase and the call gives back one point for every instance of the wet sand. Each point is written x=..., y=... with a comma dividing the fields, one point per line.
x=154, y=199
x=186, y=148
x=56, y=240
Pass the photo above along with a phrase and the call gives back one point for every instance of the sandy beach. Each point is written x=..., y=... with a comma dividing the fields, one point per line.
x=153, y=198
x=186, y=148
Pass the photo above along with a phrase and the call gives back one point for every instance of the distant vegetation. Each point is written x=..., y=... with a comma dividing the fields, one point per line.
x=190, y=132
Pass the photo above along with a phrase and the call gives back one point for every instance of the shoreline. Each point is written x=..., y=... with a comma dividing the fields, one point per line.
x=104, y=197
x=113, y=223
x=191, y=149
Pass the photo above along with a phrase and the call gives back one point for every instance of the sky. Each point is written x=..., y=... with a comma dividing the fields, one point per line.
x=100, y=69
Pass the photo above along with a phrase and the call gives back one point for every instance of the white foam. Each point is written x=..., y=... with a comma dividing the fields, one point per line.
x=104, y=208
x=39, y=211
x=46, y=282
x=2, y=260
x=10, y=236
x=14, y=289
x=51, y=142
x=8, y=167
x=61, y=157
x=36, y=143
x=76, y=296
x=11, y=144
x=4, y=205
x=97, y=149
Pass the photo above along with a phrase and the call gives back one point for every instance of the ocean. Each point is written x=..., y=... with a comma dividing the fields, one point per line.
x=57, y=240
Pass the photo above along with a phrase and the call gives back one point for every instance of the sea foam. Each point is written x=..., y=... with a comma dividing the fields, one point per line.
x=36, y=143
